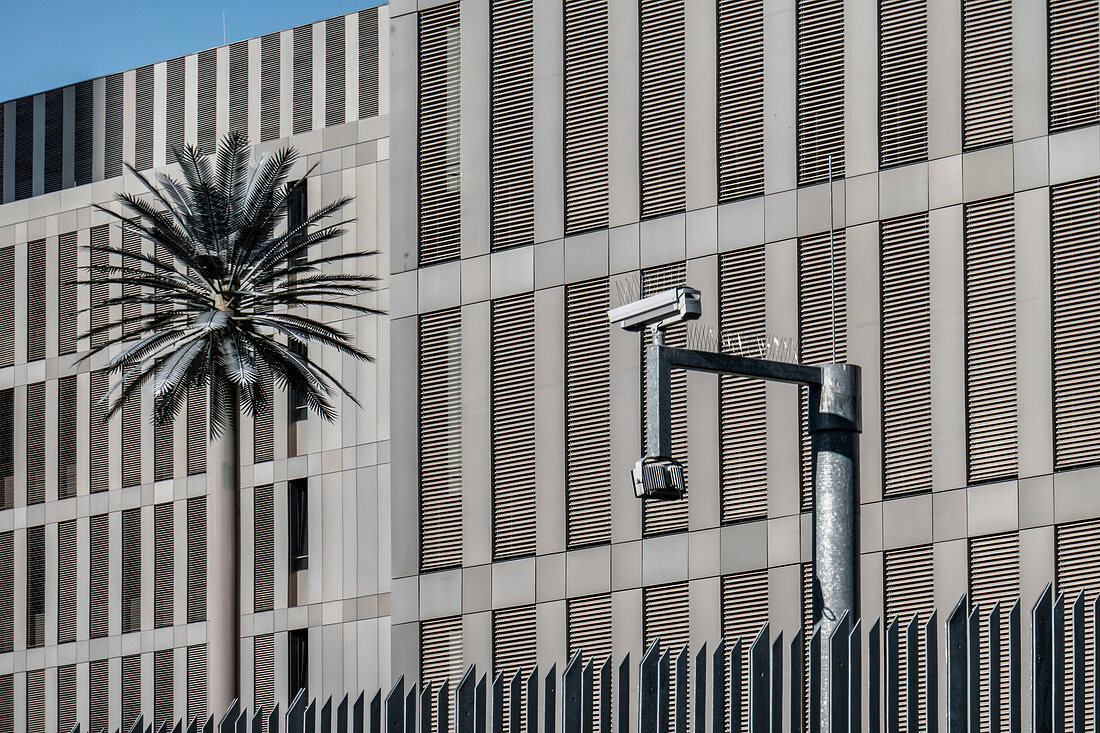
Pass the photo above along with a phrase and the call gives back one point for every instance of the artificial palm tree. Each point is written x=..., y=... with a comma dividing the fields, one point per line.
x=222, y=298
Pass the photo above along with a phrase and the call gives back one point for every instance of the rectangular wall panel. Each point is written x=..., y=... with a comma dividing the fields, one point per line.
x=36, y=701
x=131, y=688
x=174, y=107
x=66, y=698
x=7, y=448
x=99, y=695
x=238, y=87
x=207, y=123
x=98, y=432
x=24, y=144
x=335, y=73
x=662, y=99
x=82, y=134
x=53, y=140
x=196, y=430
x=740, y=62
x=7, y=307
x=263, y=679
x=441, y=651
x=269, y=87
x=112, y=127
x=514, y=651
x=100, y=291
x=196, y=681
x=66, y=437
x=164, y=674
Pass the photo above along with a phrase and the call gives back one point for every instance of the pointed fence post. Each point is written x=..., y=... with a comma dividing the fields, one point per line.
x=874, y=657
x=497, y=723
x=588, y=711
x=759, y=689
x=605, y=696
x=893, y=678
x=442, y=708
x=425, y=709
x=410, y=709
x=648, y=671
x=296, y=714
x=796, y=680
x=665, y=707
x=358, y=714
x=464, y=699
x=532, y=700
x=342, y=716
x=737, y=709
x=956, y=668
x=931, y=674
x=838, y=676
x=699, y=689
x=681, y=690
x=855, y=678
x=815, y=683
x=1078, y=656
x=395, y=707
x=480, y=713
x=1015, y=684
x=624, y=695
x=273, y=719
x=571, y=705
x=1058, y=656
x=718, y=694
x=550, y=717
x=993, y=625
x=1042, y=663
x=777, y=684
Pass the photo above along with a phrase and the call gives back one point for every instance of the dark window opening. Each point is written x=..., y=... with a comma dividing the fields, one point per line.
x=297, y=662
x=298, y=501
x=296, y=213
x=297, y=408
x=36, y=586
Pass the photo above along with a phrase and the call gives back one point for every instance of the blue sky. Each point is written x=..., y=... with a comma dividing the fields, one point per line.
x=50, y=43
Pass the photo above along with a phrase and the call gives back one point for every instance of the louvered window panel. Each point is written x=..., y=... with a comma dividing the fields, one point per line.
x=196, y=559
x=7, y=307
x=163, y=452
x=100, y=291
x=820, y=90
x=7, y=448
x=24, y=147
x=112, y=129
x=100, y=563
x=36, y=701
x=54, y=125
x=587, y=414
x=263, y=527
x=238, y=87
x=990, y=277
x=131, y=311
x=164, y=673
x=586, y=115
x=66, y=437
x=269, y=87
x=143, y=114
x=303, y=79
x=441, y=651
x=903, y=81
x=131, y=689
x=987, y=72
x=515, y=651
x=742, y=409
x=82, y=134
x=36, y=300
x=906, y=356
x=1074, y=58
x=7, y=704
x=131, y=570
x=263, y=679
x=36, y=586
x=665, y=616
x=66, y=581
x=909, y=591
x=663, y=143
x=438, y=153
x=174, y=107
x=659, y=517
x=368, y=61
x=7, y=596
x=2, y=136
x=196, y=430
x=66, y=698
x=207, y=124
x=36, y=443
x=98, y=432
x=164, y=569
x=740, y=68
x=131, y=438
x=994, y=578
x=588, y=627
x=1075, y=280
x=335, y=73
x=99, y=695
x=511, y=123
x=68, y=276
x=1076, y=547
x=513, y=426
x=263, y=423
x=822, y=325
x=440, y=425
x=196, y=681
x=744, y=613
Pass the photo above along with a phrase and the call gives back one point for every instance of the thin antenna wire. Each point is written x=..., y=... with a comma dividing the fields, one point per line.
x=223, y=28
x=832, y=260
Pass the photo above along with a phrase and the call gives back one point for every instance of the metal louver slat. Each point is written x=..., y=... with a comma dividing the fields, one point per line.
x=36, y=300
x=7, y=448
x=742, y=409
x=441, y=651
x=99, y=588
x=990, y=276
x=100, y=291
x=740, y=61
x=36, y=586
x=1074, y=63
x=1075, y=280
x=66, y=581
x=820, y=90
x=164, y=673
x=207, y=124
x=196, y=560
x=7, y=704
x=588, y=627
x=659, y=517
x=36, y=701
x=587, y=414
x=263, y=527
x=994, y=578
x=143, y=118
x=82, y=135
x=269, y=87
x=66, y=698
x=67, y=293
x=164, y=569
x=822, y=325
x=1076, y=547
x=440, y=439
x=36, y=443
x=131, y=570
x=303, y=79
x=7, y=595
x=196, y=681
x=263, y=423
x=906, y=356
x=663, y=143
x=263, y=685
x=335, y=74
x=99, y=695
x=511, y=123
x=908, y=590
x=112, y=130
x=368, y=61
x=903, y=82
x=238, y=87
x=665, y=616
x=744, y=613
x=66, y=437
x=52, y=143
x=98, y=432
x=586, y=115
x=196, y=430
x=131, y=438
x=513, y=426
x=514, y=650
x=987, y=72
x=7, y=307
x=163, y=452
x=131, y=688
x=24, y=147
x=176, y=74
x=438, y=129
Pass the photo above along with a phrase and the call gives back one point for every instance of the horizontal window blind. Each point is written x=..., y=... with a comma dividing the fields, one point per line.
x=67, y=569
x=100, y=291
x=36, y=443
x=131, y=311
x=82, y=134
x=440, y=426
x=514, y=651
x=36, y=586
x=131, y=570
x=164, y=673
x=99, y=559
x=112, y=127
x=263, y=680
x=7, y=448
x=196, y=560
x=335, y=74
x=7, y=594
x=176, y=74
x=441, y=651
x=24, y=144
x=744, y=613
x=587, y=414
x=196, y=681
x=269, y=87
x=164, y=569
x=513, y=426
x=820, y=31
x=742, y=408
x=99, y=694
x=52, y=140
x=994, y=578
x=663, y=143
x=68, y=275
x=303, y=78
x=665, y=617
x=987, y=72
x=1073, y=47
x=66, y=698
x=206, y=127
x=98, y=432
x=588, y=627
x=196, y=430
x=7, y=704
x=909, y=593
x=263, y=548
x=131, y=437
x=66, y=437
x=131, y=687
x=7, y=307
x=36, y=300
x=1076, y=547
x=238, y=87
x=163, y=452
x=36, y=701
x=143, y=118
x=263, y=422
x=585, y=110
x=740, y=68
x=368, y=62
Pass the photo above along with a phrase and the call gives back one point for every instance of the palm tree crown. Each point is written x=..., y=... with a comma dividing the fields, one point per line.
x=225, y=288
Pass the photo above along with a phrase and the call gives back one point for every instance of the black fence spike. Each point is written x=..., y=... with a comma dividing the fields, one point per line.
x=342, y=716
x=551, y=699
x=605, y=696
x=699, y=691
x=813, y=686
x=759, y=687
x=796, y=710
x=571, y=706
x=838, y=676
x=480, y=712
x=681, y=699
x=533, y=700
x=931, y=674
x=464, y=698
x=410, y=709
x=993, y=654
x=874, y=690
x=1042, y=663
x=326, y=716
x=777, y=684
x=273, y=719
x=956, y=668
x=736, y=704
x=496, y=724
x=1058, y=657
x=395, y=707
x=912, y=675
x=1077, y=622
x=624, y=695
x=296, y=713
x=425, y=706
x=588, y=709
x=311, y=716
x=1015, y=683
x=665, y=705
x=443, y=708
x=257, y=721
x=855, y=678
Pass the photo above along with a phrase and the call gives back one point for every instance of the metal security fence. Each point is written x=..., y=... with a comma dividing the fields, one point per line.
x=740, y=684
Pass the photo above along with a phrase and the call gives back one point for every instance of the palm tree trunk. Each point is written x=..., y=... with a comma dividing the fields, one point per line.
x=223, y=566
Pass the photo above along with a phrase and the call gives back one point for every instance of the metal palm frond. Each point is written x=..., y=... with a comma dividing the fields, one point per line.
x=227, y=290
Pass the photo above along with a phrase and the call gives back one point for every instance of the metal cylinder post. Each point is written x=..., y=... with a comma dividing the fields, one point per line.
x=835, y=424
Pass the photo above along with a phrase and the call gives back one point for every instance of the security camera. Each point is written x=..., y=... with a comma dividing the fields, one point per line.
x=659, y=310
x=658, y=478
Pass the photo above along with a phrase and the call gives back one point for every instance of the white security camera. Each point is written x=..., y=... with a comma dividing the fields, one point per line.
x=659, y=310
x=658, y=478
